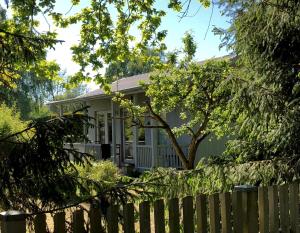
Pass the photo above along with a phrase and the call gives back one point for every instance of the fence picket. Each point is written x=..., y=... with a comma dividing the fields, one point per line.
x=266, y=210
x=188, y=215
x=237, y=210
x=145, y=224
x=95, y=220
x=128, y=212
x=284, y=208
x=252, y=209
x=263, y=210
x=201, y=210
x=174, y=224
x=294, y=206
x=112, y=219
x=273, y=209
x=59, y=220
x=78, y=221
x=225, y=202
x=214, y=214
x=159, y=216
x=40, y=225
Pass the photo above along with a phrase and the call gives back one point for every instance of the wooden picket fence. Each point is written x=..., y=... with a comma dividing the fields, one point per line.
x=265, y=210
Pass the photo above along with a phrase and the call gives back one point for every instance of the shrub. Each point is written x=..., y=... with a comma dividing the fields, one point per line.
x=105, y=171
x=10, y=121
x=211, y=178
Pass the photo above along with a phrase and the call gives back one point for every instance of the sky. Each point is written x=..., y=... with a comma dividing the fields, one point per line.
x=196, y=22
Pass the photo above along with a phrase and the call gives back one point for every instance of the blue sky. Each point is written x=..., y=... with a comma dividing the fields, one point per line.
x=207, y=47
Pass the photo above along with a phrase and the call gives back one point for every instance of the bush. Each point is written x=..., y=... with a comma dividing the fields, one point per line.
x=105, y=172
x=10, y=121
x=213, y=178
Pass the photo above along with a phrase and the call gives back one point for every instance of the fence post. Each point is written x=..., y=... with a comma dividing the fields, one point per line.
x=250, y=208
x=13, y=221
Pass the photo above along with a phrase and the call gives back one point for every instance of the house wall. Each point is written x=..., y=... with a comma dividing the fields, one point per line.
x=210, y=146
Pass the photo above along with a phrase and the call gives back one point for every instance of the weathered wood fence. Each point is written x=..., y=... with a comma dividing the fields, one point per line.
x=266, y=209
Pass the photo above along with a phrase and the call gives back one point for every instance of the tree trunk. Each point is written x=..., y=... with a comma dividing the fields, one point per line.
x=193, y=147
x=180, y=154
x=192, y=154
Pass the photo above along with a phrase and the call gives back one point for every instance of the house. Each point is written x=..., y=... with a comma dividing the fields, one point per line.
x=114, y=136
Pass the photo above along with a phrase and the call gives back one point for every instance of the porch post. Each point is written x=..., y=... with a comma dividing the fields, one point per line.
x=85, y=127
x=113, y=119
x=135, y=137
x=61, y=111
x=154, y=142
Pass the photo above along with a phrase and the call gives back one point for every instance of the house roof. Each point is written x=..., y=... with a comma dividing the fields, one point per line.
x=125, y=84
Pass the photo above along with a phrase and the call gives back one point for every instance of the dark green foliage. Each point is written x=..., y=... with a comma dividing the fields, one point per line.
x=210, y=177
x=34, y=161
x=39, y=174
x=265, y=36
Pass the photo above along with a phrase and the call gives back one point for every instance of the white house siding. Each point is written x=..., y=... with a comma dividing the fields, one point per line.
x=211, y=146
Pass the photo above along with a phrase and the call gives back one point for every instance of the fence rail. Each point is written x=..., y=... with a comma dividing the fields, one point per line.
x=264, y=210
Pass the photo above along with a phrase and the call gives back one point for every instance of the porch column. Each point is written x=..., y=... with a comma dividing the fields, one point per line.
x=85, y=127
x=61, y=111
x=135, y=137
x=113, y=119
x=154, y=142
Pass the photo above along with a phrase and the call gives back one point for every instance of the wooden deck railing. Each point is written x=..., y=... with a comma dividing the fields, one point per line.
x=90, y=148
x=143, y=156
x=167, y=156
x=264, y=210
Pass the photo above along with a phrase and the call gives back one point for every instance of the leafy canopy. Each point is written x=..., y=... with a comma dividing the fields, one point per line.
x=106, y=33
x=22, y=47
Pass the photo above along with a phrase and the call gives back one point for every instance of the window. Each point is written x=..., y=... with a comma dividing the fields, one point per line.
x=103, y=128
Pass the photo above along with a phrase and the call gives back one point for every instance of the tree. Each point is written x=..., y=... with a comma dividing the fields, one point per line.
x=22, y=47
x=194, y=91
x=106, y=35
x=265, y=36
x=106, y=38
x=36, y=171
x=32, y=89
x=133, y=65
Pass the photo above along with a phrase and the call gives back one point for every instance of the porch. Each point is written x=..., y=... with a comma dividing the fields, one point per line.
x=112, y=135
x=144, y=158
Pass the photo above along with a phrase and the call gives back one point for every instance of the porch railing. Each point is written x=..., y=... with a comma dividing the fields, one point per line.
x=143, y=157
x=166, y=156
x=90, y=148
